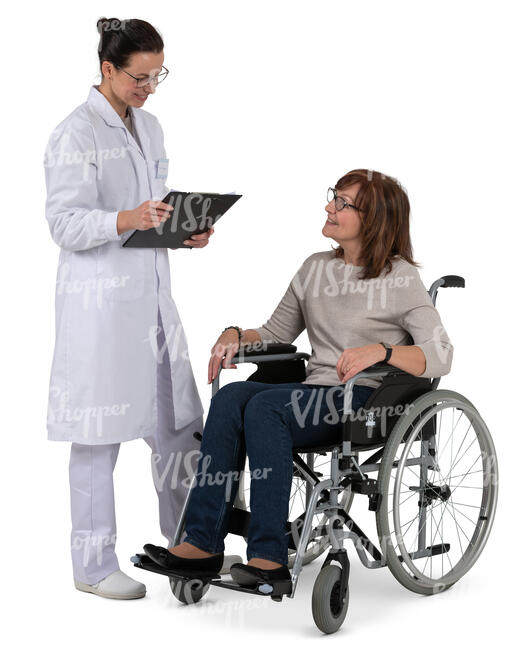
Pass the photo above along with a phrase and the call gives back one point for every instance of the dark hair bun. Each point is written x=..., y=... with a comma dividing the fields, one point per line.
x=108, y=25
x=121, y=38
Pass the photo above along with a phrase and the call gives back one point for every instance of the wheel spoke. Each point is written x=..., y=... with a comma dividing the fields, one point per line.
x=455, y=462
x=451, y=435
x=458, y=485
x=413, y=493
x=474, y=523
x=459, y=527
x=477, y=471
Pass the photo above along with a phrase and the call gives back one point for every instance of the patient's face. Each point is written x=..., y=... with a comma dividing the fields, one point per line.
x=343, y=225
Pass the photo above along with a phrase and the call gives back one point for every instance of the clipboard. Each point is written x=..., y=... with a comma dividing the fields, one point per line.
x=194, y=213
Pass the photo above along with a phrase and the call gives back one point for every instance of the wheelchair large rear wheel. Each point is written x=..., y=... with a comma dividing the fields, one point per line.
x=438, y=488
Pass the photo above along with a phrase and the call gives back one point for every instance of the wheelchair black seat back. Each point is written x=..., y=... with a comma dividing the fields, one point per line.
x=434, y=495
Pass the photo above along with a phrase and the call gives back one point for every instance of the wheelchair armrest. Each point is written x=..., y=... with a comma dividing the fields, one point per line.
x=262, y=353
x=379, y=369
x=253, y=352
x=268, y=348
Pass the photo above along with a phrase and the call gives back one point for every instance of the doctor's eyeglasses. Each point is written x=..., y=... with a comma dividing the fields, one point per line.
x=340, y=202
x=141, y=82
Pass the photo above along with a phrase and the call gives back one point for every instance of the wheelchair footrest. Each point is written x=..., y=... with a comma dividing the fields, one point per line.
x=276, y=590
x=142, y=561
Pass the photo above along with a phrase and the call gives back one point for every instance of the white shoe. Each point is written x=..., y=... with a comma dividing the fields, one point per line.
x=228, y=561
x=116, y=585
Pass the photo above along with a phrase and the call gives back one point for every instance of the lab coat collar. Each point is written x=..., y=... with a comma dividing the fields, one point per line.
x=104, y=108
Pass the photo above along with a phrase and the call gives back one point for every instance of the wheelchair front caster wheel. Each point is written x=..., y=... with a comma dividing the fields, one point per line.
x=189, y=591
x=328, y=610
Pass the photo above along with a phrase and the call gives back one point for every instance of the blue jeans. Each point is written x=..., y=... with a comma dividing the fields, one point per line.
x=265, y=421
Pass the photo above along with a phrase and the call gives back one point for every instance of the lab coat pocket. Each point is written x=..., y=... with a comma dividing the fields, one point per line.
x=121, y=272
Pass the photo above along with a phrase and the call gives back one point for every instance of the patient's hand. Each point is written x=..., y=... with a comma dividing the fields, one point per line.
x=354, y=360
x=222, y=352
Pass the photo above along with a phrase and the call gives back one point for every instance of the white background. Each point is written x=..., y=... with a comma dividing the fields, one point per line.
x=275, y=100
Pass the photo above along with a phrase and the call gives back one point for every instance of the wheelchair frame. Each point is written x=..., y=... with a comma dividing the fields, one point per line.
x=345, y=470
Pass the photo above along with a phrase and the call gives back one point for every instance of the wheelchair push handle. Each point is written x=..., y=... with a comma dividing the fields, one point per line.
x=453, y=281
x=456, y=281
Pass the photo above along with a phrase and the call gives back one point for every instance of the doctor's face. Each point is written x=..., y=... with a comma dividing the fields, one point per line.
x=143, y=66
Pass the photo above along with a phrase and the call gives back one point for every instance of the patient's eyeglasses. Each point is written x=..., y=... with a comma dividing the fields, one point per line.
x=141, y=82
x=340, y=202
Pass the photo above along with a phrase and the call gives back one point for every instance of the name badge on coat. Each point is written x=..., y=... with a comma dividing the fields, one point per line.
x=162, y=168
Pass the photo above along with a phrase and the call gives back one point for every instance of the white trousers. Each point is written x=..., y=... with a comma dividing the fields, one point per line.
x=174, y=456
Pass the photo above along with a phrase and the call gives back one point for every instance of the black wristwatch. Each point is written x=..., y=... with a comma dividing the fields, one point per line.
x=388, y=349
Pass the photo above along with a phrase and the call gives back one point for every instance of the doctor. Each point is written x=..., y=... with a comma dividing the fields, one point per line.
x=120, y=368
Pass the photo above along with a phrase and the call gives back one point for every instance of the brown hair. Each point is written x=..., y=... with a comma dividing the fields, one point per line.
x=384, y=218
x=119, y=39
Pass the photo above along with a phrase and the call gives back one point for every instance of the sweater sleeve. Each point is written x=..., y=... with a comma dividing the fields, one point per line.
x=286, y=322
x=71, y=182
x=419, y=317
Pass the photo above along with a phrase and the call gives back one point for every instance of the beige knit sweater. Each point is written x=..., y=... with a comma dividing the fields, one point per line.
x=340, y=311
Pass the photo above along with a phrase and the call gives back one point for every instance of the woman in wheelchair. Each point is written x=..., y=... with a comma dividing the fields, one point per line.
x=359, y=304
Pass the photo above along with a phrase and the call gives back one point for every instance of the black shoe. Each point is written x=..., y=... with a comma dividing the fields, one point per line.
x=204, y=566
x=249, y=576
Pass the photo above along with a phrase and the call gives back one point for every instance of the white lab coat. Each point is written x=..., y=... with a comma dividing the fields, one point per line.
x=103, y=378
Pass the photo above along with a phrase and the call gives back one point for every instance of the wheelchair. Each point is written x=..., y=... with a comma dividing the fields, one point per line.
x=433, y=493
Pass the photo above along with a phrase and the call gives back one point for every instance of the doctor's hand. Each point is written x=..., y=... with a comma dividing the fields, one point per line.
x=354, y=360
x=199, y=240
x=222, y=352
x=147, y=215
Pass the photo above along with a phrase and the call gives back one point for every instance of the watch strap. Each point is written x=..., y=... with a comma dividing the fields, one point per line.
x=388, y=349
